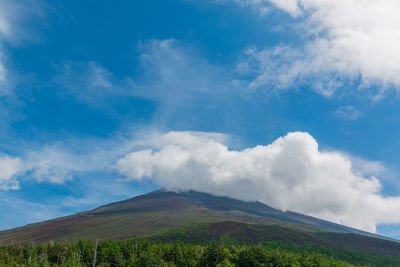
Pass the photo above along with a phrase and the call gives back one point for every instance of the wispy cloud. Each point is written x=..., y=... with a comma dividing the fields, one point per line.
x=348, y=113
x=53, y=163
x=5, y=31
x=346, y=41
x=170, y=73
x=90, y=83
x=16, y=28
x=282, y=68
x=264, y=6
x=174, y=70
x=15, y=20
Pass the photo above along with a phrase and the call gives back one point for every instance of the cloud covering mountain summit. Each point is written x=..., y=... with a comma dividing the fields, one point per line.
x=289, y=174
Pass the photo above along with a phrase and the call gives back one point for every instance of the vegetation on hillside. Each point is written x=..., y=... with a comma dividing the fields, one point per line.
x=349, y=247
x=212, y=244
x=144, y=253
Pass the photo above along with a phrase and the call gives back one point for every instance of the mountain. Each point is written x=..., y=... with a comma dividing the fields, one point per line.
x=162, y=211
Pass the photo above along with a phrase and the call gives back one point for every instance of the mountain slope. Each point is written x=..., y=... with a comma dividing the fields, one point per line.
x=162, y=210
x=237, y=233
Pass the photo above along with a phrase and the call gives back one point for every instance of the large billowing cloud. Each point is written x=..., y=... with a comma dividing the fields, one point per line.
x=289, y=174
x=346, y=40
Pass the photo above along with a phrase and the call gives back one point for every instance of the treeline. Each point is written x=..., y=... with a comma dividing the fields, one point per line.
x=143, y=253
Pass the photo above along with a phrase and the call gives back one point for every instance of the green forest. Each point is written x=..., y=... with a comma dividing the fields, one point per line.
x=145, y=253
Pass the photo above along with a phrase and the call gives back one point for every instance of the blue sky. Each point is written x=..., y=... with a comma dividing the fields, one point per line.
x=84, y=84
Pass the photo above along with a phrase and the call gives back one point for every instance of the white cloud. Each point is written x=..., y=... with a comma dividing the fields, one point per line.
x=290, y=6
x=10, y=168
x=49, y=164
x=289, y=174
x=63, y=161
x=59, y=162
x=53, y=164
x=368, y=167
x=354, y=40
x=4, y=25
